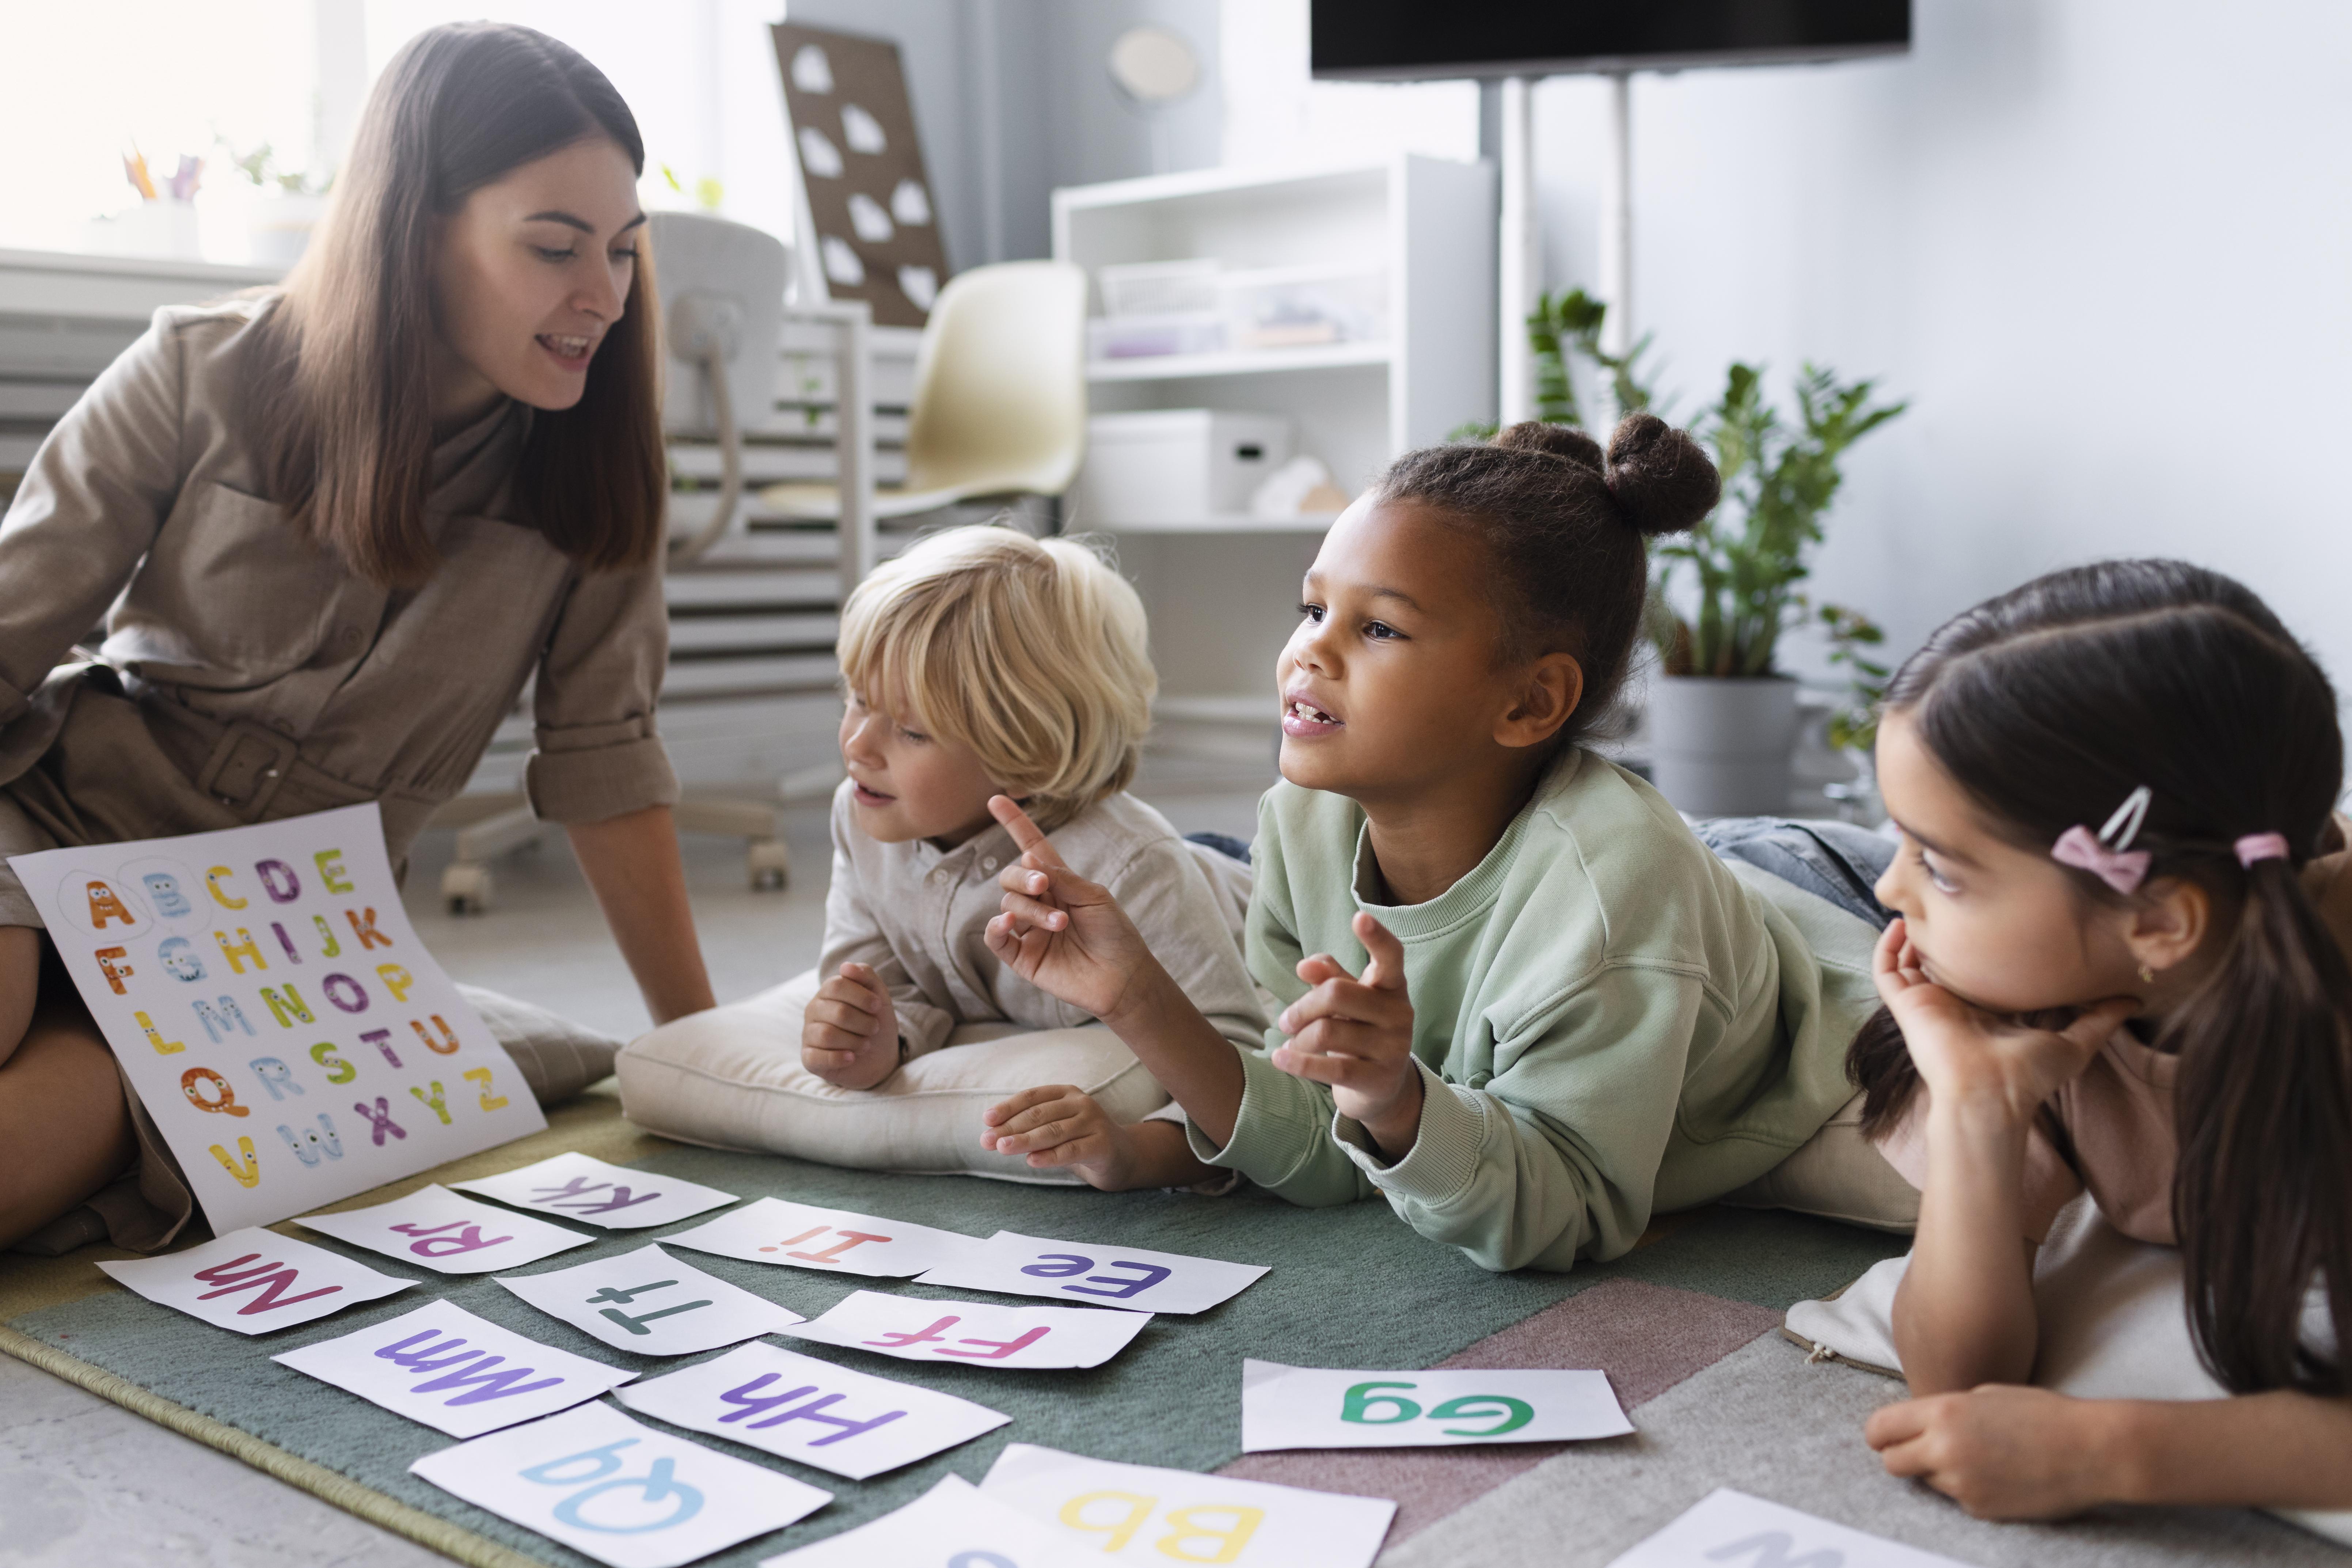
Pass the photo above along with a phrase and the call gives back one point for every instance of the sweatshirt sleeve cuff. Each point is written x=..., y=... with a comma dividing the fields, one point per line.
x=579, y=776
x=1276, y=1131
x=1444, y=1158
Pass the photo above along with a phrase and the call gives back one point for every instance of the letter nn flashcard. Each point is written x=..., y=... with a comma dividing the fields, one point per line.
x=953, y=1525
x=800, y=1236
x=649, y=1302
x=1130, y=1277
x=254, y=1280
x=1142, y=1513
x=1732, y=1530
x=1307, y=1407
x=618, y=1491
x=974, y=1332
x=581, y=1187
x=435, y=1228
x=280, y=1020
x=851, y=1423
x=444, y=1366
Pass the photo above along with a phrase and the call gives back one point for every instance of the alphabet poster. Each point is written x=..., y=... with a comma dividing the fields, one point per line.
x=1306, y=1407
x=1096, y=1275
x=448, y=1234
x=254, y=1280
x=1732, y=1530
x=954, y=1522
x=649, y=1302
x=572, y=1186
x=973, y=1333
x=280, y=1020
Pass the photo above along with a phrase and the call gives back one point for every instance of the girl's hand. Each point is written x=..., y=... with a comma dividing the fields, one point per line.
x=1062, y=934
x=849, y=1036
x=1356, y=1035
x=1999, y=1451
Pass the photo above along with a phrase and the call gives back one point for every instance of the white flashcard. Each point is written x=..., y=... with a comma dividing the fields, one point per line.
x=1145, y=1514
x=953, y=1525
x=798, y=1407
x=802, y=1236
x=580, y=1186
x=435, y=1228
x=252, y=1280
x=284, y=1025
x=444, y=1366
x=1129, y=1277
x=618, y=1491
x=649, y=1302
x=1308, y=1407
x=975, y=1333
x=1731, y=1526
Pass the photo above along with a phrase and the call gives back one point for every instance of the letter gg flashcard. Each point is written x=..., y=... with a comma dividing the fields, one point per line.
x=1129, y=1277
x=1307, y=1407
x=579, y=1186
x=435, y=1228
x=800, y=1236
x=283, y=1024
x=444, y=1366
x=974, y=1332
x=1732, y=1530
x=618, y=1491
x=851, y=1423
x=254, y=1280
x=1145, y=1514
x=953, y=1525
x=649, y=1302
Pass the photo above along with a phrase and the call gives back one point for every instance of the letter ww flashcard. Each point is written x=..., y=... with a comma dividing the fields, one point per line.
x=618, y=1491
x=976, y=1333
x=252, y=1280
x=953, y=1525
x=800, y=1236
x=444, y=1366
x=435, y=1228
x=649, y=1302
x=1133, y=1277
x=1730, y=1528
x=579, y=1186
x=1308, y=1407
x=798, y=1407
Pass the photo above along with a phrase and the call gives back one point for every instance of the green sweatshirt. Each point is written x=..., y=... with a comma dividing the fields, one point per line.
x=1609, y=1022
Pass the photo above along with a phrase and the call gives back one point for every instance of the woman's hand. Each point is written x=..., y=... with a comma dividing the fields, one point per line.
x=2001, y=1451
x=1062, y=934
x=1356, y=1035
x=849, y=1036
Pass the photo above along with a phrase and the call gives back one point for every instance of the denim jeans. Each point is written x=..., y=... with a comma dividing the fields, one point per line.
x=1836, y=861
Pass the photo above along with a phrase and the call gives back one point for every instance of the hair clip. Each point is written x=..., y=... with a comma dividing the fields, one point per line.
x=2109, y=855
x=2256, y=847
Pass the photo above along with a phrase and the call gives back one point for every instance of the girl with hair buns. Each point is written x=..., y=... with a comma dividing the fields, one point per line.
x=1520, y=999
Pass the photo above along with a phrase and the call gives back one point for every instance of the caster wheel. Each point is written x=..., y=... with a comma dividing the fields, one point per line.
x=465, y=889
x=768, y=865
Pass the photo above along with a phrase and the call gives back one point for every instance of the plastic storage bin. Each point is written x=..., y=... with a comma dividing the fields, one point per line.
x=1168, y=466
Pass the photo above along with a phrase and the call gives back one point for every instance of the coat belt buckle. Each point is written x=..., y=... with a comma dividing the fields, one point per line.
x=231, y=755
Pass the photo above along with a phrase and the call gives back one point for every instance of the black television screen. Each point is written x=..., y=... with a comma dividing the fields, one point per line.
x=1412, y=40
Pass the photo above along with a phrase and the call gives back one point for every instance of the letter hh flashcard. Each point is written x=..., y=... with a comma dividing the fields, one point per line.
x=281, y=1022
x=579, y=1186
x=1730, y=1529
x=1131, y=1276
x=435, y=1228
x=1308, y=1407
x=254, y=1280
x=618, y=1491
x=851, y=1423
x=444, y=1366
x=1146, y=1514
x=953, y=1525
x=801, y=1236
x=649, y=1302
x=977, y=1333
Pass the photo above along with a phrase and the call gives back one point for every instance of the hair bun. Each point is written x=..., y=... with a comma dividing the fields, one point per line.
x=1663, y=481
x=1557, y=440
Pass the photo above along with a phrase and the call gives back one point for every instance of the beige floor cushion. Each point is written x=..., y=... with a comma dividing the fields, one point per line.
x=731, y=1079
x=1838, y=1175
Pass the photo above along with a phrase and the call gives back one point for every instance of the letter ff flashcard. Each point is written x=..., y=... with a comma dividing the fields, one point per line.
x=618, y=1491
x=953, y=1525
x=1145, y=1514
x=1308, y=1407
x=801, y=1236
x=455, y=1371
x=582, y=1187
x=1730, y=1528
x=851, y=1423
x=436, y=1228
x=977, y=1333
x=649, y=1302
x=254, y=1280
x=1133, y=1277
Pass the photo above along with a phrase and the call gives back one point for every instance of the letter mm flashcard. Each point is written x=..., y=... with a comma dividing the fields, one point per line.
x=1732, y=1530
x=1307, y=1407
x=452, y=1371
x=1134, y=1278
x=800, y=1236
x=649, y=1302
x=976, y=1333
x=252, y=1280
x=851, y=1423
x=618, y=1491
x=578, y=1186
x=953, y=1525
x=436, y=1228
x=1145, y=1514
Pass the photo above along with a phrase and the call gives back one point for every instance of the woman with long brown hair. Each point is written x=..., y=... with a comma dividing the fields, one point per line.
x=333, y=530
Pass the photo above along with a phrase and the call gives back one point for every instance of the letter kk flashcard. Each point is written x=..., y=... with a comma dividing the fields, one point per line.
x=436, y=1228
x=851, y=1423
x=581, y=1187
x=1307, y=1407
x=618, y=1491
x=800, y=1236
x=953, y=1525
x=977, y=1333
x=444, y=1366
x=1131, y=1276
x=283, y=1024
x=649, y=1302
x=1732, y=1530
x=254, y=1280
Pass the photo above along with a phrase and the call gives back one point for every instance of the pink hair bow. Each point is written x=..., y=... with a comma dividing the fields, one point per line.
x=2108, y=855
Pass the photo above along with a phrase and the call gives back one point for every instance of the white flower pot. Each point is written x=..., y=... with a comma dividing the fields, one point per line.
x=1723, y=748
